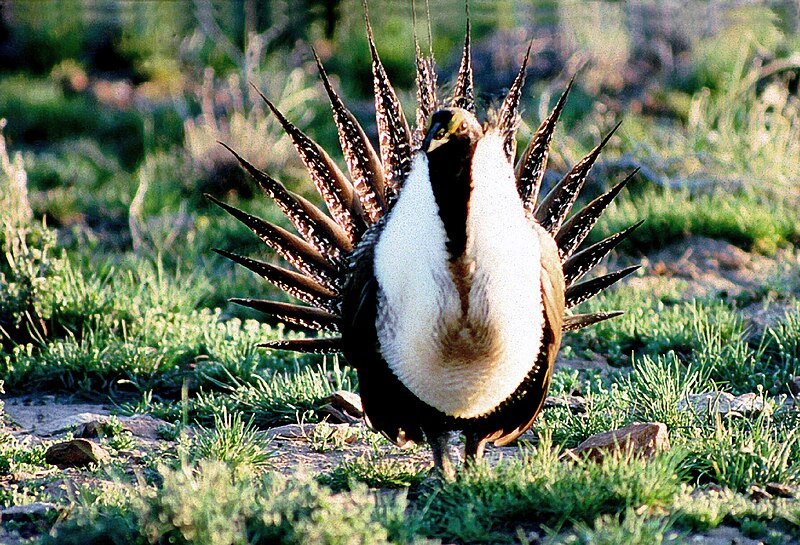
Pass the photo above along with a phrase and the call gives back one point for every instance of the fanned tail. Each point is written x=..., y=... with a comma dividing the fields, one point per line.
x=362, y=160
x=464, y=91
x=393, y=132
x=533, y=163
x=425, y=80
x=509, y=112
x=556, y=205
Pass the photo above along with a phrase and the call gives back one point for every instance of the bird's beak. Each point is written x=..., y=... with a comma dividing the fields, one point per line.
x=429, y=144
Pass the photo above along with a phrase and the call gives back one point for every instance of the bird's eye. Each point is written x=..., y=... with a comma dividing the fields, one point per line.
x=463, y=126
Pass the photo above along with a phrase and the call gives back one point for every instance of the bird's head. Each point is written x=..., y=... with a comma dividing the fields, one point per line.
x=452, y=130
x=449, y=145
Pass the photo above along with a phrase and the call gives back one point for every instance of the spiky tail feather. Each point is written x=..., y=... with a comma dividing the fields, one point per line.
x=321, y=250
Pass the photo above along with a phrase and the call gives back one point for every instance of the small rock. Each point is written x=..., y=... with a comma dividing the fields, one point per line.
x=21, y=476
x=74, y=421
x=139, y=426
x=290, y=431
x=749, y=403
x=794, y=386
x=75, y=453
x=143, y=426
x=576, y=404
x=335, y=416
x=347, y=402
x=781, y=490
x=27, y=513
x=757, y=493
x=722, y=403
x=91, y=429
x=642, y=439
x=531, y=537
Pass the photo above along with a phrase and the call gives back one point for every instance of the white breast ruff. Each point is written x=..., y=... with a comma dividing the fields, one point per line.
x=462, y=365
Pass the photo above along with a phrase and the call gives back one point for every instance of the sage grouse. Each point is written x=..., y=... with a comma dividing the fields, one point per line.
x=444, y=279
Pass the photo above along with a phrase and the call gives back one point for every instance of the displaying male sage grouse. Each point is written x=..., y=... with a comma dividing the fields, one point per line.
x=445, y=280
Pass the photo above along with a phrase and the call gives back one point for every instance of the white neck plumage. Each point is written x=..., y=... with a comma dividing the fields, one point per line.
x=461, y=338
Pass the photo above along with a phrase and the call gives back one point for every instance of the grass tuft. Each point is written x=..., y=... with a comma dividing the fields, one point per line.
x=231, y=440
x=376, y=472
x=542, y=488
x=210, y=503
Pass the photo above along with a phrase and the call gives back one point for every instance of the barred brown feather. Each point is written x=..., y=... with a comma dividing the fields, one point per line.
x=508, y=120
x=556, y=205
x=297, y=285
x=533, y=163
x=315, y=226
x=425, y=80
x=464, y=91
x=579, y=321
x=586, y=260
x=310, y=317
x=362, y=161
x=320, y=345
x=393, y=132
x=302, y=255
x=578, y=293
x=330, y=181
x=576, y=228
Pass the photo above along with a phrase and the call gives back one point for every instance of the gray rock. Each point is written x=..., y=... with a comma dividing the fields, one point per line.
x=576, y=404
x=723, y=403
x=347, y=402
x=641, y=439
x=290, y=431
x=141, y=425
x=75, y=453
x=27, y=513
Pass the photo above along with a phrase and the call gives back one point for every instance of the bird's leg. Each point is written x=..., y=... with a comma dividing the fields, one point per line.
x=441, y=457
x=474, y=446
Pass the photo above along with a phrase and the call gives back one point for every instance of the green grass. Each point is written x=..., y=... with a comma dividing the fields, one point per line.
x=109, y=291
x=708, y=334
x=283, y=397
x=211, y=504
x=741, y=218
x=231, y=440
x=739, y=453
x=376, y=471
x=17, y=455
x=482, y=505
x=628, y=528
x=652, y=325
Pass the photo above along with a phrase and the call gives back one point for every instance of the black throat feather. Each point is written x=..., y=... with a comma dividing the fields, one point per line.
x=450, y=173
